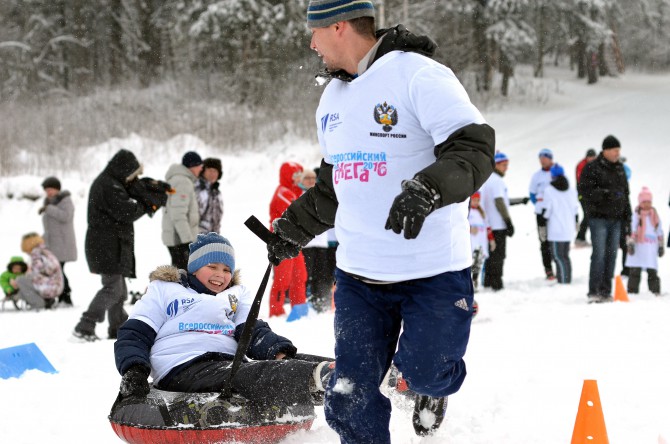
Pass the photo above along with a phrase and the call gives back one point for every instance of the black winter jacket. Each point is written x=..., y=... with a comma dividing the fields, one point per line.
x=603, y=188
x=110, y=238
x=463, y=162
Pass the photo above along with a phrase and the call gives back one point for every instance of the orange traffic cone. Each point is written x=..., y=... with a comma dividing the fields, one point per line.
x=590, y=422
x=620, y=293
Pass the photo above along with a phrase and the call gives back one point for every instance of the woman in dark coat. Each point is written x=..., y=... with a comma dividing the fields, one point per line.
x=110, y=241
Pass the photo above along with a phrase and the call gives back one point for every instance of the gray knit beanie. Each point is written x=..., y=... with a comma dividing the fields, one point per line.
x=323, y=13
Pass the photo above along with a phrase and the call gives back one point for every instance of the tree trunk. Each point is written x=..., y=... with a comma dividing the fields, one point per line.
x=603, y=70
x=482, y=57
x=115, y=39
x=151, y=56
x=592, y=67
x=507, y=71
x=580, y=57
x=541, y=41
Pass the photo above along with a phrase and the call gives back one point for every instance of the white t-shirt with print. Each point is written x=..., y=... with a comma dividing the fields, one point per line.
x=189, y=324
x=376, y=131
x=492, y=189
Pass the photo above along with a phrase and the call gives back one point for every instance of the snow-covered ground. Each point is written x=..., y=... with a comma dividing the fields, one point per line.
x=532, y=345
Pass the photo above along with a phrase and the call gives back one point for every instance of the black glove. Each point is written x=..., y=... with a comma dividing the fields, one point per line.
x=42, y=210
x=510, y=228
x=661, y=251
x=134, y=382
x=280, y=249
x=630, y=245
x=410, y=209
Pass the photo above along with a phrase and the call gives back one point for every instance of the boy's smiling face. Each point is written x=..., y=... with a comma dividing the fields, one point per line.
x=215, y=277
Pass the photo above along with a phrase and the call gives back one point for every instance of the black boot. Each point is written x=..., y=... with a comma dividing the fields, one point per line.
x=653, y=281
x=65, y=299
x=428, y=414
x=85, y=330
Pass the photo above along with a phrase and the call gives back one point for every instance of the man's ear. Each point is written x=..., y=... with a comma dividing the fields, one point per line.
x=339, y=27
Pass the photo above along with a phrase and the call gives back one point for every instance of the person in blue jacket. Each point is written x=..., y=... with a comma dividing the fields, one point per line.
x=184, y=331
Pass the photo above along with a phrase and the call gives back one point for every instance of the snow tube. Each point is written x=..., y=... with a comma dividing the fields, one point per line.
x=184, y=418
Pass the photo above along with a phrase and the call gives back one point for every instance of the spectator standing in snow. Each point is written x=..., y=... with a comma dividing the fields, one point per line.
x=290, y=276
x=561, y=211
x=604, y=190
x=538, y=183
x=58, y=221
x=403, y=150
x=580, y=241
x=15, y=268
x=210, y=204
x=481, y=236
x=320, y=267
x=110, y=240
x=43, y=282
x=181, y=215
x=496, y=206
x=199, y=360
x=645, y=245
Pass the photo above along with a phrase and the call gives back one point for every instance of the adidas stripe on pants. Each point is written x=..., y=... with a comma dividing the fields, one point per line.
x=435, y=315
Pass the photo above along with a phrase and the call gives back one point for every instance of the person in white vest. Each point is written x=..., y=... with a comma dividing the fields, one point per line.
x=403, y=149
x=496, y=203
x=645, y=245
x=561, y=212
x=538, y=183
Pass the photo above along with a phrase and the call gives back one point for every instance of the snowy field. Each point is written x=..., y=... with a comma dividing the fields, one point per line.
x=532, y=345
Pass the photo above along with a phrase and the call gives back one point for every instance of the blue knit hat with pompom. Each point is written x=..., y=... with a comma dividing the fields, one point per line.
x=210, y=248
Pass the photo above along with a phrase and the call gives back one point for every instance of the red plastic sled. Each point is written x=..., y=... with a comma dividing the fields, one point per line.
x=201, y=418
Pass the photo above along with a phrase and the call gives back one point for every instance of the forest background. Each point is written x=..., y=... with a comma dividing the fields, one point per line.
x=239, y=75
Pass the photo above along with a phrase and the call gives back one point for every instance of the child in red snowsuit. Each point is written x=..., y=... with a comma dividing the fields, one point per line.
x=290, y=275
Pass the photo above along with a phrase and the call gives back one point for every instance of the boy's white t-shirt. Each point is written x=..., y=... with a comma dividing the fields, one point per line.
x=538, y=184
x=560, y=210
x=492, y=189
x=376, y=131
x=189, y=324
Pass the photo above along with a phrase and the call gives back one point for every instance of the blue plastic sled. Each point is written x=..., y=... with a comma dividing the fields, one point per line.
x=16, y=360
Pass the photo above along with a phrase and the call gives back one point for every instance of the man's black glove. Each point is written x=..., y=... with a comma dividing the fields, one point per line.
x=280, y=249
x=661, y=251
x=286, y=240
x=410, y=209
x=134, y=382
x=510, y=228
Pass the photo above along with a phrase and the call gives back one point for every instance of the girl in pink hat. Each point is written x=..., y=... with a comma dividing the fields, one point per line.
x=645, y=244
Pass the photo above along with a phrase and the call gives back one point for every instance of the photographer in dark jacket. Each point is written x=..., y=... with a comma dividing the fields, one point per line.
x=604, y=190
x=117, y=198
